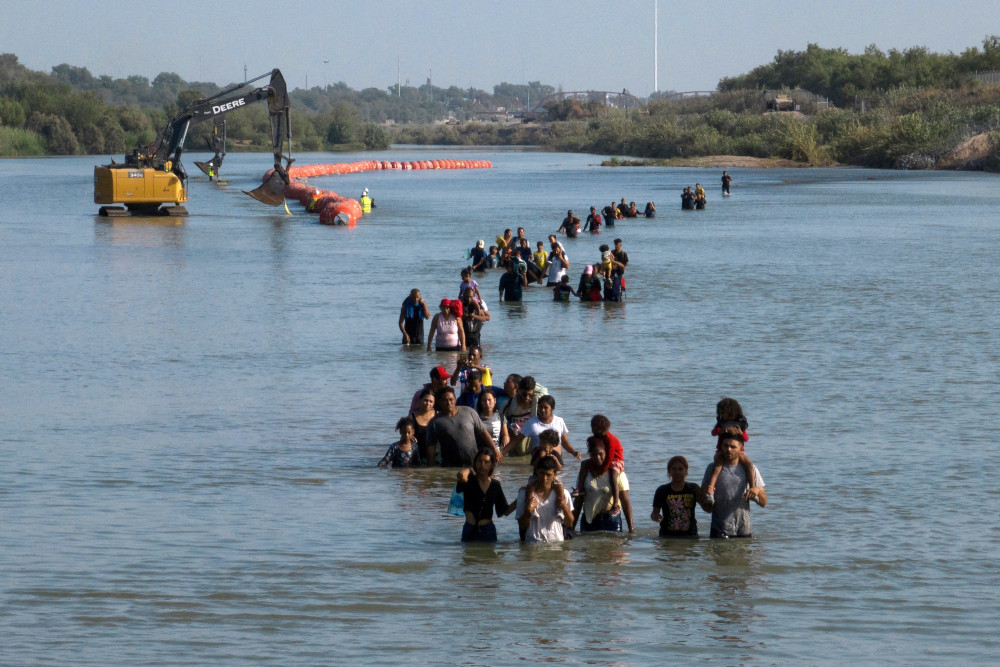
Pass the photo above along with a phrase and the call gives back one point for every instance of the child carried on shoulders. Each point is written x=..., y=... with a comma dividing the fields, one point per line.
x=729, y=420
x=600, y=426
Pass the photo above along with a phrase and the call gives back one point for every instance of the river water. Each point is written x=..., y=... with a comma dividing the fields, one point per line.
x=191, y=412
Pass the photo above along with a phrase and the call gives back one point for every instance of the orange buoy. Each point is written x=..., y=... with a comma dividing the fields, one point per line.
x=344, y=215
x=336, y=214
x=334, y=209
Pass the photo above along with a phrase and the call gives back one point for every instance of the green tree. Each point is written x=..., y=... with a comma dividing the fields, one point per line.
x=55, y=130
x=133, y=119
x=11, y=113
x=375, y=137
x=114, y=135
x=188, y=97
x=79, y=109
x=78, y=77
x=344, y=119
x=92, y=139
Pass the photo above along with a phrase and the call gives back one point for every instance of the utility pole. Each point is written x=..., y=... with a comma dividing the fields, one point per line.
x=397, y=75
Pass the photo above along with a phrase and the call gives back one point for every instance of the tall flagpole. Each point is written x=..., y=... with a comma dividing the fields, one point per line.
x=656, y=43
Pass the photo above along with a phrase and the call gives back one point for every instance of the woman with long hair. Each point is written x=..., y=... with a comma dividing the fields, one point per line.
x=421, y=418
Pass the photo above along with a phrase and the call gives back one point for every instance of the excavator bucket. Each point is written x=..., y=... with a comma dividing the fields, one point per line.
x=271, y=192
x=206, y=167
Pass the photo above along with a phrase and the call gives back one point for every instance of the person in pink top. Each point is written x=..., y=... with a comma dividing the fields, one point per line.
x=447, y=328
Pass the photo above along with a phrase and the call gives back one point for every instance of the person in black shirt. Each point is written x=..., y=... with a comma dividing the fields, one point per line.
x=477, y=256
x=593, y=224
x=512, y=284
x=687, y=200
x=570, y=225
x=674, y=503
x=609, y=215
x=619, y=256
x=483, y=497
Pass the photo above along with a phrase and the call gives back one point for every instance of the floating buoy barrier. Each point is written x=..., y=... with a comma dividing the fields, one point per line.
x=336, y=210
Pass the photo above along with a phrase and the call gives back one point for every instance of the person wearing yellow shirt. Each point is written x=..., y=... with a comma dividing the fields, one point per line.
x=540, y=257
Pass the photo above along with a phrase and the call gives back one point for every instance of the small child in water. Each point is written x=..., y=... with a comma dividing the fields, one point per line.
x=606, y=259
x=673, y=503
x=403, y=454
x=548, y=445
x=493, y=259
x=728, y=413
x=562, y=291
x=469, y=283
x=541, y=259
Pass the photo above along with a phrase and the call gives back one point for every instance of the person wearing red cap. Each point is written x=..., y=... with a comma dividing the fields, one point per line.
x=439, y=380
x=447, y=328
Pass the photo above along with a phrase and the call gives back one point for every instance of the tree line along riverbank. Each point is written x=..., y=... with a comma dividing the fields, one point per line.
x=917, y=128
x=911, y=109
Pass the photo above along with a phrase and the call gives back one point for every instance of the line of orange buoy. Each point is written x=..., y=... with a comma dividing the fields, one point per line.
x=336, y=210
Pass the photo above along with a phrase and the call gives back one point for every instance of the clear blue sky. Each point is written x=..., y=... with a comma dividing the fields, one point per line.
x=578, y=44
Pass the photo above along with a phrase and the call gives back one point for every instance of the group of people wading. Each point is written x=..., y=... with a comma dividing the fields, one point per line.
x=480, y=427
x=696, y=200
x=461, y=419
x=459, y=322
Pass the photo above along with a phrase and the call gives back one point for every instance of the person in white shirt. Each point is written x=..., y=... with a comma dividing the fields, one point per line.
x=544, y=510
x=545, y=420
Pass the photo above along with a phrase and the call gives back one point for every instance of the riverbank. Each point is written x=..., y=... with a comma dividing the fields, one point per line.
x=713, y=162
x=976, y=153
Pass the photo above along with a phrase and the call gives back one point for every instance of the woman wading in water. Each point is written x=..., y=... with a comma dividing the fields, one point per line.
x=421, y=418
x=447, y=328
x=483, y=497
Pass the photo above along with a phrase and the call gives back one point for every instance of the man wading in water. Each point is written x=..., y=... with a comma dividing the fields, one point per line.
x=731, y=511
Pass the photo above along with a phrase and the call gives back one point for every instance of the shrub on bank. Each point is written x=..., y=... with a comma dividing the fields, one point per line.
x=15, y=142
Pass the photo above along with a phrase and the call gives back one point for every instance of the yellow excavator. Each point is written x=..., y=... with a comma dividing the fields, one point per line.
x=153, y=176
